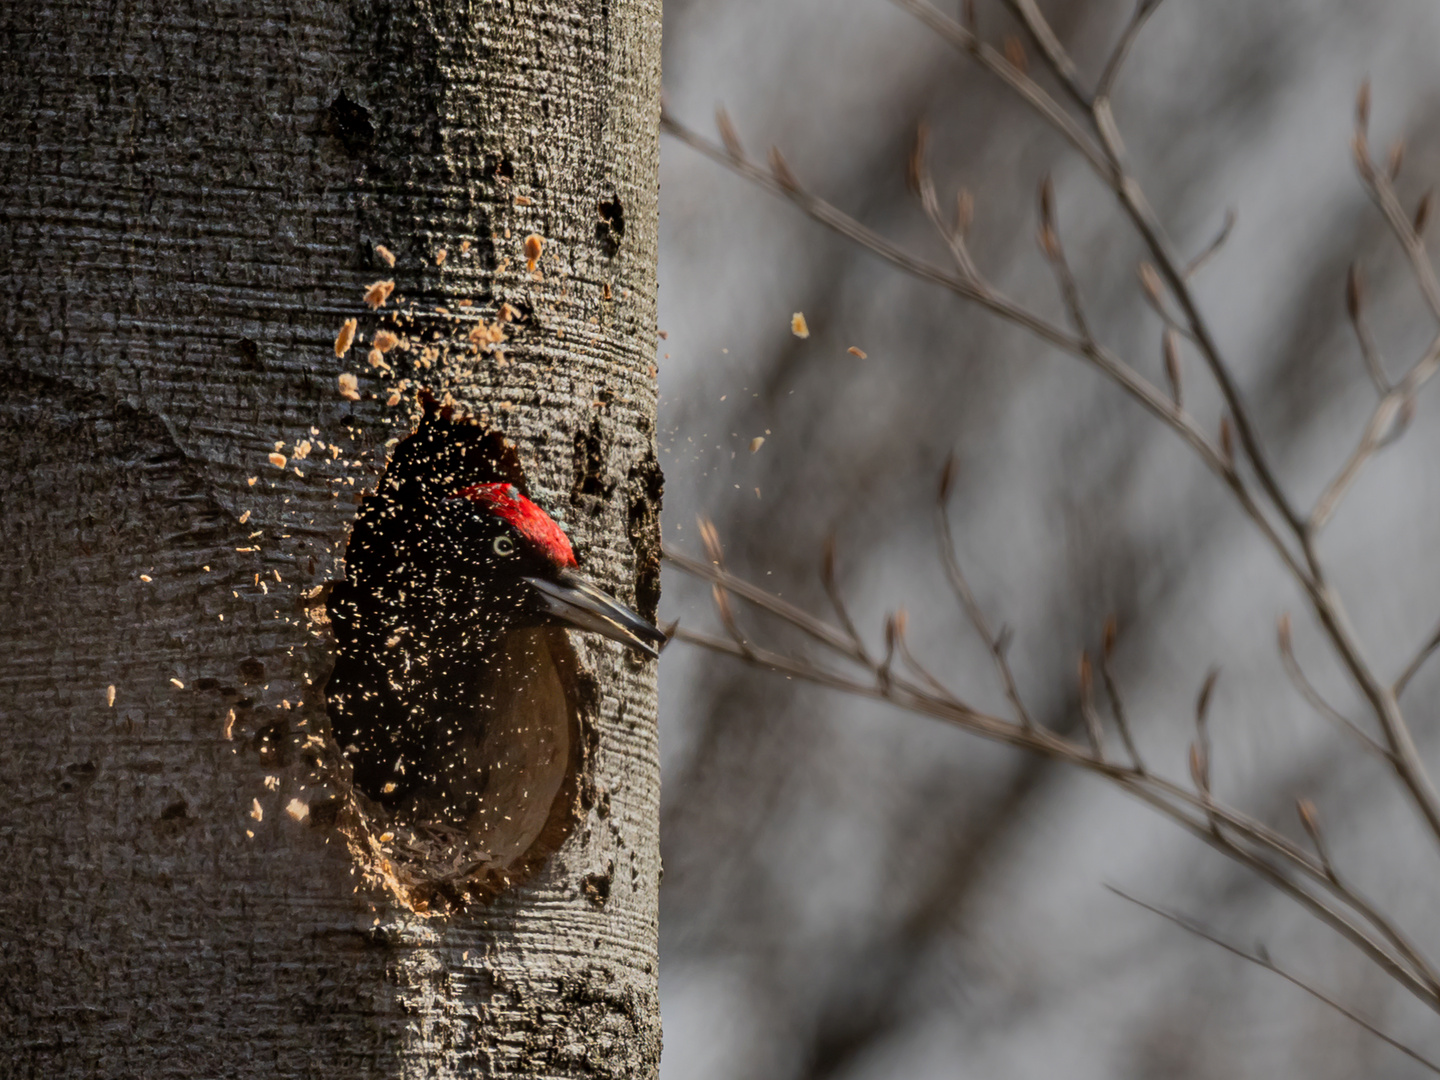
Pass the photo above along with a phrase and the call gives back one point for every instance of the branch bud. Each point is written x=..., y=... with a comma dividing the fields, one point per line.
x=1422, y=214
x=781, y=171
x=915, y=167
x=710, y=537
x=1151, y=283
x=947, y=478
x=1397, y=158
x=1202, y=703
x=1015, y=53
x=728, y=135
x=1200, y=768
x=964, y=211
x=1354, y=293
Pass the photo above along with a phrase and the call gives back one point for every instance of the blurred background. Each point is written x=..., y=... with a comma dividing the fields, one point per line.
x=854, y=892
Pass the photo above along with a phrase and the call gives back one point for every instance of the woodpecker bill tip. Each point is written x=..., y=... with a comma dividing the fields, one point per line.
x=571, y=599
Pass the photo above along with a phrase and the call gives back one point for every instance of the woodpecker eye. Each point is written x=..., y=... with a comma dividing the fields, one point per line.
x=503, y=545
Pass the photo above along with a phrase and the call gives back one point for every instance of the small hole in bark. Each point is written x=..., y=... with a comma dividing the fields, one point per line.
x=596, y=887
x=349, y=121
x=610, y=229
x=249, y=352
x=457, y=699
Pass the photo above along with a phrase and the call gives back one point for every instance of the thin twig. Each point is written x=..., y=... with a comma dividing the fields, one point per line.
x=1093, y=731
x=1313, y=696
x=1117, y=702
x=1143, y=10
x=967, y=599
x=832, y=590
x=1417, y=662
x=1054, y=251
x=1213, y=248
x=1261, y=960
x=1310, y=819
x=1355, y=309
x=1389, y=414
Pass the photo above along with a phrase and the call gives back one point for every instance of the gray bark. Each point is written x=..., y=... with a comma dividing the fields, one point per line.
x=190, y=199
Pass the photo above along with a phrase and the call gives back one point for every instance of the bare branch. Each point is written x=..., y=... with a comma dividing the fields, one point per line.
x=1406, y=228
x=815, y=628
x=1262, y=960
x=1390, y=417
x=967, y=600
x=963, y=38
x=1242, y=838
x=1143, y=10
x=1318, y=703
x=1411, y=669
x=1055, y=253
x=832, y=590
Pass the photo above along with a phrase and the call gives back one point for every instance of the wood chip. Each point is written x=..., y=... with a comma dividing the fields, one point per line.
x=384, y=253
x=256, y=810
x=385, y=340
x=297, y=809
x=440, y=257
x=278, y=459
x=861, y=353
x=534, y=245
x=756, y=443
x=110, y=696
x=349, y=390
x=798, y=326
x=346, y=337
x=378, y=293
x=244, y=517
x=177, y=684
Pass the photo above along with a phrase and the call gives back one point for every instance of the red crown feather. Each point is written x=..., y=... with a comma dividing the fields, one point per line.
x=536, y=526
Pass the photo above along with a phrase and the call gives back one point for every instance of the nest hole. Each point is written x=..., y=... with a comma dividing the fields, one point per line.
x=463, y=747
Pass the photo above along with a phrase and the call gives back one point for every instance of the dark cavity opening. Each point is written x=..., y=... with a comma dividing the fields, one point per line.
x=459, y=709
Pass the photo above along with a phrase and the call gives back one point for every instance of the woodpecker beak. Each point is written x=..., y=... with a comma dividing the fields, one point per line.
x=571, y=599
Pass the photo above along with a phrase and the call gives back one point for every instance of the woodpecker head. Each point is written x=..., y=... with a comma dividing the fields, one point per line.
x=522, y=569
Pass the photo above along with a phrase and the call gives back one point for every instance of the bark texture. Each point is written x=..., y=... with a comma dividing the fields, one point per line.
x=190, y=198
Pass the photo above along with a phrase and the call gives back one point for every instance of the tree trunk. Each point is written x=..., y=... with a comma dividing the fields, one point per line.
x=191, y=198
